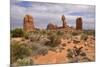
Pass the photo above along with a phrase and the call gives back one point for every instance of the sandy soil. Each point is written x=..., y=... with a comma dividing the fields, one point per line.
x=60, y=55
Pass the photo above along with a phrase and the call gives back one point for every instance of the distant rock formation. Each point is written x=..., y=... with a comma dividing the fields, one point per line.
x=64, y=21
x=51, y=26
x=79, y=23
x=64, y=24
x=28, y=23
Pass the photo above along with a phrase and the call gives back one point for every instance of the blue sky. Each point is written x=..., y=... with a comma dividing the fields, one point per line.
x=44, y=13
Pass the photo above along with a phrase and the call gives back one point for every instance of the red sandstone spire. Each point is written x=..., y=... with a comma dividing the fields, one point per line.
x=28, y=24
x=79, y=23
x=64, y=21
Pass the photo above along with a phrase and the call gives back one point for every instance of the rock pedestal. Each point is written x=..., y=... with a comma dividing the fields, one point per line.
x=28, y=24
x=64, y=21
x=79, y=23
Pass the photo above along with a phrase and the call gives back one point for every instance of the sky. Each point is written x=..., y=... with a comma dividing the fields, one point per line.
x=44, y=13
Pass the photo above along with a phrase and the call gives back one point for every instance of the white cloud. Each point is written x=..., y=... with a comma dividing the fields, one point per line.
x=46, y=12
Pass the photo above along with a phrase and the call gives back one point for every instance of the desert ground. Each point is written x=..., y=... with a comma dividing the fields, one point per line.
x=53, y=47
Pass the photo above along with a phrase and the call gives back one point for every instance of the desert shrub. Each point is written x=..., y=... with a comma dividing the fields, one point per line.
x=70, y=53
x=68, y=36
x=38, y=48
x=84, y=37
x=49, y=32
x=34, y=37
x=39, y=36
x=60, y=33
x=42, y=51
x=36, y=31
x=75, y=33
x=19, y=51
x=71, y=56
x=86, y=59
x=26, y=35
x=89, y=32
x=43, y=32
x=83, y=54
x=77, y=55
x=24, y=62
x=35, y=46
x=54, y=40
x=17, y=32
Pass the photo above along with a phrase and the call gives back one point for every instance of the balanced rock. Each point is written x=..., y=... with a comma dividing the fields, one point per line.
x=64, y=21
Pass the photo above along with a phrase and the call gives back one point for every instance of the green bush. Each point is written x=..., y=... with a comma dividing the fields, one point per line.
x=43, y=32
x=35, y=37
x=17, y=32
x=36, y=31
x=49, y=32
x=38, y=48
x=42, y=51
x=19, y=51
x=26, y=35
x=54, y=40
x=35, y=46
x=89, y=32
x=75, y=33
x=60, y=33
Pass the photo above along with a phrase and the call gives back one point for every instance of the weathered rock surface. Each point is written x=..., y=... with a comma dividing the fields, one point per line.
x=79, y=23
x=51, y=26
x=64, y=21
x=28, y=24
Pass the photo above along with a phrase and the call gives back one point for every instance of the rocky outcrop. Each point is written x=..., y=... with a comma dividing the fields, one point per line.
x=64, y=21
x=51, y=26
x=28, y=23
x=79, y=23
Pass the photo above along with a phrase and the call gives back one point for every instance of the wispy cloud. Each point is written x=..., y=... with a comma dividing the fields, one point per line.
x=44, y=13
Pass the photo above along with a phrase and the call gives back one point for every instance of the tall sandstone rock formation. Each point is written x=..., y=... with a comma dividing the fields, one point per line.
x=28, y=24
x=79, y=23
x=64, y=21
